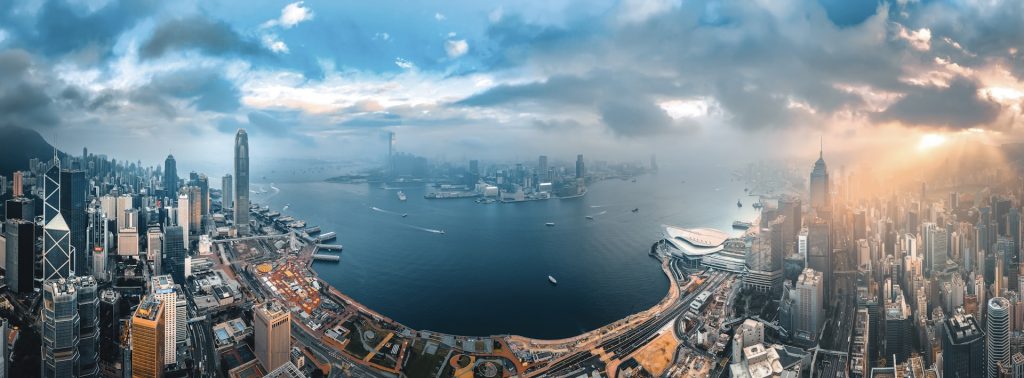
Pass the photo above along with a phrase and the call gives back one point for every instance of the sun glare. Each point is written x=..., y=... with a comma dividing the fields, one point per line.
x=930, y=141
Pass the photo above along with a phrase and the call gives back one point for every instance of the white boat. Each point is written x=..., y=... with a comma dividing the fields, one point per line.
x=553, y=280
x=401, y=195
x=550, y=224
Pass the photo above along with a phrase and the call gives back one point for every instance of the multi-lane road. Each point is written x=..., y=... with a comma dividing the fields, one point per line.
x=627, y=342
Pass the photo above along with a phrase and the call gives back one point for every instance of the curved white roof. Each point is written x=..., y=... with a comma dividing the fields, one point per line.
x=696, y=241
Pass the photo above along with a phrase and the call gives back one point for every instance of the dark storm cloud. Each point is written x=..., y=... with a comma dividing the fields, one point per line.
x=24, y=100
x=635, y=117
x=198, y=33
x=955, y=107
x=60, y=27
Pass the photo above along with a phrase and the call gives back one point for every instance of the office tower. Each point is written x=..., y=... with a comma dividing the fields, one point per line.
x=963, y=349
x=174, y=254
x=128, y=234
x=181, y=318
x=20, y=208
x=124, y=204
x=57, y=253
x=1017, y=365
x=183, y=217
x=204, y=195
x=154, y=245
x=110, y=325
x=60, y=330
x=147, y=342
x=820, y=194
x=898, y=322
x=801, y=244
x=227, y=193
x=542, y=167
x=764, y=260
x=580, y=168
x=162, y=288
x=860, y=225
x=19, y=254
x=935, y=245
x=997, y=335
x=89, y=326
x=272, y=330
x=809, y=306
x=750, y=332
x=195, y=211
x=170, y=176
x=242, y=180
x=18, y=185
x=51, y=191
x=474, y=168
x=789, y=207
x=73, y=197
x=819, y=253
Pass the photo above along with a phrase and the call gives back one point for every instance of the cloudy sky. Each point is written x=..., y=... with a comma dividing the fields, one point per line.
x=472, y=79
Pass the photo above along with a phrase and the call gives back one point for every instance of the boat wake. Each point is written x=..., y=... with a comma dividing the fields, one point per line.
x=379, y=210
x=597, y=206
x=427, y=229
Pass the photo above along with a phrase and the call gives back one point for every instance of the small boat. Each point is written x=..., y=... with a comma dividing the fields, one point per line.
x=636, y=210
x=405, y=215
x=590, y=217
x=739, y=204
x=552, y=280
x=442, y=232
x=634, y=180
x=401, y=195
x=550, y=224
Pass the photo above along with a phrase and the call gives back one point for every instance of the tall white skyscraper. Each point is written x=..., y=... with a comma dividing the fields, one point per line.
x=183, y=217
x=162, y=288
x=997, y=335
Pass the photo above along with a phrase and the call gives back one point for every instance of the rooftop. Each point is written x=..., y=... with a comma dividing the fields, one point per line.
x=148, y=309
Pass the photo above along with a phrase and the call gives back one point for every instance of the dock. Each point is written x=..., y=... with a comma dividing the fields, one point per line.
x=323, y=257
x=329, y=247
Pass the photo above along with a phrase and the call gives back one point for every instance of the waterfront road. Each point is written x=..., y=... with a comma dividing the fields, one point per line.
x=625, y=343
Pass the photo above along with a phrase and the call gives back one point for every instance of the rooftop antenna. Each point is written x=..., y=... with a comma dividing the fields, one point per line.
x=821, y=146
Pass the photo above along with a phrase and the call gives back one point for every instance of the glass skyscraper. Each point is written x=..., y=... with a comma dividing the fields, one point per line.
x=242, y=182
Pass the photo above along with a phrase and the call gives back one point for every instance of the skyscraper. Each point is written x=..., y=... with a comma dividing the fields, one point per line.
x=18, y=184
x=819, y=184
x=162, y=288
x=89, y=326
x=542, y=167
x=809, y=292
x=20, y=208
x=195, y=212
x=57, y=253
x=819, y=253
x=174, y=254
x=60, y=330
x=935, y=247
x=148, y=339
x=580, y=168
x=227, y=194
x=963, y=349
x=183, y=217
x=242, y=181
x=997, y=335
x=272, y=329
x=110, y=325
x=20, y=250
x=73, y=199
x=170, y=176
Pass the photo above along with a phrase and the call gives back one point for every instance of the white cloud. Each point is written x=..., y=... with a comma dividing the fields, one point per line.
x=404, y=63
x=383, y=36
x=456, y=47
x=3, y=36
x=271, y=42
x=440, y=17
x=685, y=108
x=291, y=15
x=640, y=10
x=919, y=39
x=496, y=14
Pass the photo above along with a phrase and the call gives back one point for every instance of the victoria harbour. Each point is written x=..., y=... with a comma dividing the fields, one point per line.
x=484, y=275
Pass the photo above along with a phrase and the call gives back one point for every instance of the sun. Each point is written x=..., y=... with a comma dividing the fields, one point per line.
x=930, y=141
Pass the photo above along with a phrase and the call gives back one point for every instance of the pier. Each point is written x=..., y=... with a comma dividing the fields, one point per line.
x=323, y=257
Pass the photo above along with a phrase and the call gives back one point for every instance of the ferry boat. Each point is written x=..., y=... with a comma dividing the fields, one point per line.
x=405, y=215
x=740, y=225
x=552, y=280
x=401, y=195
x=590, y=217
x=550, y=224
